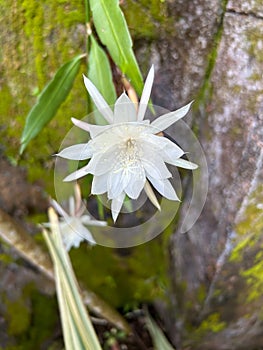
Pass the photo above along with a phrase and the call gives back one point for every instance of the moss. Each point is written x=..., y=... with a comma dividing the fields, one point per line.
x=254, y=38
x=205, y=91
x=250, y=246
x=126, y=276
x=153, y=18
x=43, y=36
x=254, y=280
x=31, y=318
x=212, y=324
x=17, y=315
x=6, y=259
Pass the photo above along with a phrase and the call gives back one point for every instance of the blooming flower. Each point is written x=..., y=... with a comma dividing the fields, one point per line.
x=128, y=152
x=73, y=225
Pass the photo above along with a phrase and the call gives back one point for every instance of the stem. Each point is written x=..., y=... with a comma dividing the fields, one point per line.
x=88, y=44
x=88, y=25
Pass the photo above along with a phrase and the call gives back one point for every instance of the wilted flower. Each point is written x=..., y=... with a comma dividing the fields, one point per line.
x=73, y=225
x=128, y=152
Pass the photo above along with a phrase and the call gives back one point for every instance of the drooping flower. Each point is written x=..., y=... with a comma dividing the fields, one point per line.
x=73, y=225
x=128, y=152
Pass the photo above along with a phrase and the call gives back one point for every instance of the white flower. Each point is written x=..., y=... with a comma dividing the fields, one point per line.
x=128, y=152
x=73, y=225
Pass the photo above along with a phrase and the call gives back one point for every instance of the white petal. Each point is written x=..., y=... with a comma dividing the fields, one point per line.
x=77, y=152
x=96, y=130
x=116, y=205
x=80, y=124
x=99, y=101
x=124, y=110
x=103, y=141
x=169, y=148
x=154, y=165
x=135, y=186
x=86, y=220
x=69, y=237
x=117, y=180
x=99, y=184
x=146, y=94
x=165, y=188
x=59, y=209
x=102, y=163
x=181, y=163
x=77, y=174
x=164, y=121
x=82, y=231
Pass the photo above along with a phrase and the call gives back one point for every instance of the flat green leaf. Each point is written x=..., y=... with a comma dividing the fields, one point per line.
x=50, y=100
x=113, y=32
x=99, y=72
x=159, y=340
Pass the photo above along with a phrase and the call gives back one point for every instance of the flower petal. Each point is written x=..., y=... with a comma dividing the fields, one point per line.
x=117, y=180
x=135, y=186
x=77, y=174
x=69, y=236
x=124, y=110
x=116, y=205
x=80, y=124
x=145, y=94
x=154, y=165
x=102, y=163
x=159, y=171
x=81, y=231
x=99, y=101
x=164, y=187
x=164, y=121
x=59, y=209
x=99, y=184
x=86, y=220
x=76, y=152
x=94, y=130
x=168, y=148
x=181, y=163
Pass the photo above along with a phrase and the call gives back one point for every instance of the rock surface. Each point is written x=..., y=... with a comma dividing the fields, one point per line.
x=216, y=266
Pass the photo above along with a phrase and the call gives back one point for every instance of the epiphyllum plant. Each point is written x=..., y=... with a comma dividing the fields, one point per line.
x=129, y=151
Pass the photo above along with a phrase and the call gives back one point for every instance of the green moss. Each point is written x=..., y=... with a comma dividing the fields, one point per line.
x=254, y=279
x=211, y=324
x=6, y=258
x=254, y=38
x=153, y=18
x=140, y=275
x=31, y=318
x=250, y=244
x=250, y=229
x=206, y=91
x=17, y=315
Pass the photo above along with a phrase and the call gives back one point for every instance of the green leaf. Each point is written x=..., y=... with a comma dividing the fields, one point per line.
x=113, y=32
x=50, y=100
x=99, y=72
x=159, y=340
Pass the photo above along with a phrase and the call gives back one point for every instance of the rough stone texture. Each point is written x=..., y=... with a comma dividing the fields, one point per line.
x=217, y=265
x=181, y=51
x=251, y=7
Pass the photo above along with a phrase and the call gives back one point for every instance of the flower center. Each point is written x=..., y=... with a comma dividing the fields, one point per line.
x=129, y=156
